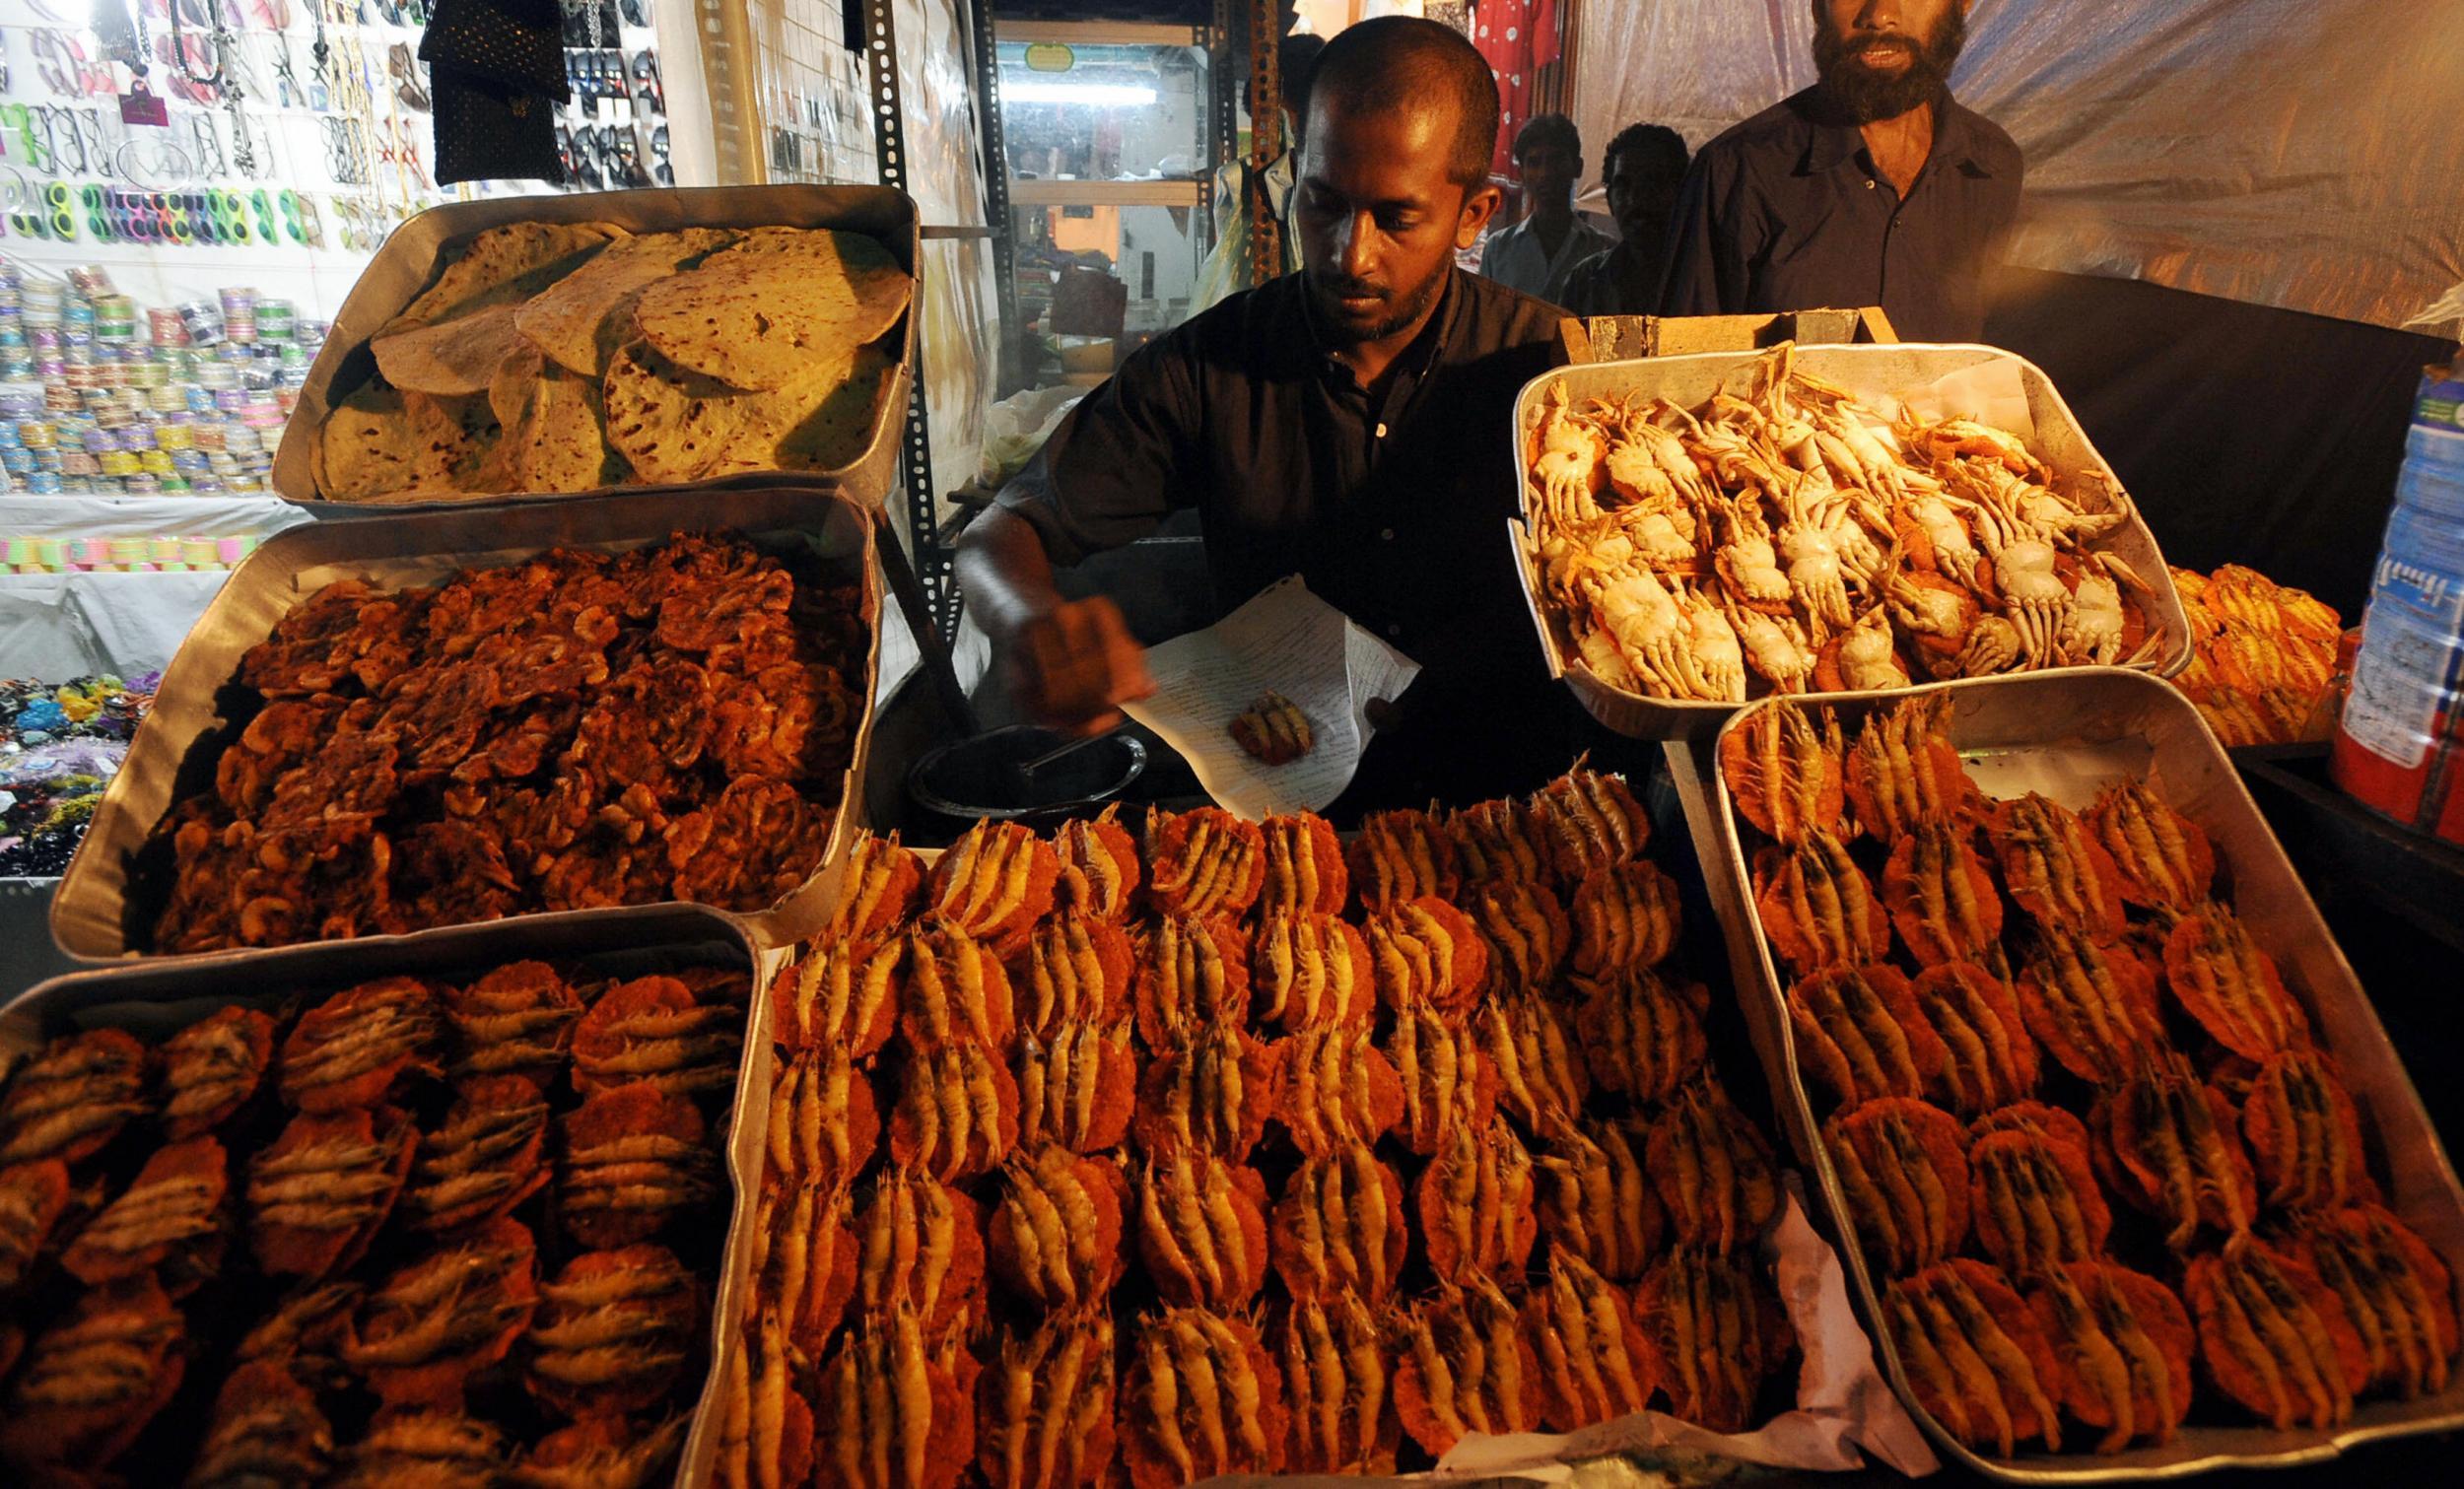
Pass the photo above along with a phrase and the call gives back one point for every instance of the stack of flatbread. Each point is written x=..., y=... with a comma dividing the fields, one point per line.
x=564, y=357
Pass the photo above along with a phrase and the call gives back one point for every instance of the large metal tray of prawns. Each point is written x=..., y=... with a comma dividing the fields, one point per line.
x=91, y=911
x=155, y=999
x=2069, y=735
x=1869, y=371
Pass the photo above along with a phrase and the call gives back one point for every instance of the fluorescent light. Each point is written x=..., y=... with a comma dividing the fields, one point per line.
x=1100, y=94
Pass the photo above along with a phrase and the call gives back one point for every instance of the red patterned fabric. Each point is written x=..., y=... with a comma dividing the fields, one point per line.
x=1519, y=37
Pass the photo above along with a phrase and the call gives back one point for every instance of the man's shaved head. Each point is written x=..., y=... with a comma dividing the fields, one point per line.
x=1399, y=63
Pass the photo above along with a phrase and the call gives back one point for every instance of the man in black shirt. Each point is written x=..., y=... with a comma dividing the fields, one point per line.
x=1349, y=424
x=1642, y=171
x=1871, y=187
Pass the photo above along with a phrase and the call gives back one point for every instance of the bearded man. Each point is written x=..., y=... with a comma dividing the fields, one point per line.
x=1874, y=187
x=1346, y=424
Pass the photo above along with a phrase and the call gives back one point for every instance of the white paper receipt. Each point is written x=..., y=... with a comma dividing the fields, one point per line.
x=1284, y=639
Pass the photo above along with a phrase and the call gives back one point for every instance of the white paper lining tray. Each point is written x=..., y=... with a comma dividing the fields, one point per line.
x=2069, y=735
x=158, y=999
x=1871, y=371
x=410, y=258
x=399, y=548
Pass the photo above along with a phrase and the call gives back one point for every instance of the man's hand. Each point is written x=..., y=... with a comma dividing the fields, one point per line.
x=1077, y=664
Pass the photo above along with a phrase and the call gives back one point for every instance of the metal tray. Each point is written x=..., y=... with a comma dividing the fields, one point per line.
x=88, y=914
x=2069, y=734
x=1865, y=368
x=408, y=260
x=155, y=1000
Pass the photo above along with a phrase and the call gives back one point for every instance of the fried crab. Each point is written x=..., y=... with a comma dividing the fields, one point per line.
x=319, y=1193
x=1818, y=908
x=1201, y=1396
x=1902, y=1166
x=921, y=1243
x=950, y=986
x=995, y=882
x=2304, y=1136
x=2055, y=868
x=2396, y=1293
x=1426, y=954
x=72, y=1096
x=1339, y=1385
x=1214, y=1093
x=1312, y=970
x=1989, y=1057
x=2273, y=1337
x=838, y=994
x=170, y=1221
x=428, y=1329
x=1501, y=841
x=635, y=1158
x=823, y=1119
x=1974, y=1357
x=653, y=1030
x=34, y=1200
x=1942, y=897
x=1595, y=1361
x=1401, y=857
x=2033, y=1195
x=1447, y=1081
x=1717, y=1179
x=1335, y=1089
x=1340, y=1226
x=614, y=1332
x=1075, y=969
x=488, y=1154
x=1596, y=1202
x=804, y=1261
x=1902, y=770
x=1305, y=870
x=894, y=1411
x=1464, y=1365
x=1625, y=916
x=1079, y=1090
x=2121, y=1344
x=2167, y=1145
x=1715, y=1332
x=1862, y=1035
x=1542, y=1079
x=2092, y=1006
x=1056, y=1236
x=266, y=1429
x=517, y=1020
x=1528, y=935
x=1044, y=1406
x=1191, y=973
x=1783, y=771
x=2165, y=862
x=358, y=1047
x=957, y=1112
x=1202, y=1228
x=1099, y=867
x=211, y=1067
x=1476, y=1205
x=1203, y=863
x=88, y=1386
x=2220, y=976
x=882, y=886
x=1592, y=821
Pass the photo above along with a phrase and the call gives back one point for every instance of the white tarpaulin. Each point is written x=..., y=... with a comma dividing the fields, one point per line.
x=2307, y=154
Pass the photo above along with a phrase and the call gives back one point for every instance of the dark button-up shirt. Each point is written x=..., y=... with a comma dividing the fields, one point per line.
x=1392, y=506
x=1786, y=212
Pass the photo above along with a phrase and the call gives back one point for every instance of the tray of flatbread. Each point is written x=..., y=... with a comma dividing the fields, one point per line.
x=556, y=346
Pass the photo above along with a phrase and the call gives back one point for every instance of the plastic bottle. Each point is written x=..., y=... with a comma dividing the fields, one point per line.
x=2400, y=743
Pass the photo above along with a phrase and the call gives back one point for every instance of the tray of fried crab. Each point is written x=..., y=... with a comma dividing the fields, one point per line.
x=1215, y=1147
x=449, y=1213
x=1697, y=531
x=2130, y=1180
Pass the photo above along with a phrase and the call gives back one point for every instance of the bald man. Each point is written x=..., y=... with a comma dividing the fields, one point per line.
x=1347, y=424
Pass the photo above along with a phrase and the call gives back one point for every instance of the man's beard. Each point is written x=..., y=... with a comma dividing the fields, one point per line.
x=1340, y=332
x=1865, y=96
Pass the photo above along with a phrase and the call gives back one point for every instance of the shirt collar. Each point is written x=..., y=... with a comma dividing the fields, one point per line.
x=1426, y=351
x=1829, y=144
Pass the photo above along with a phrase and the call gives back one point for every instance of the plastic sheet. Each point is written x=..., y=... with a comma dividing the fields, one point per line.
x=945, y=176
x=2305, y=154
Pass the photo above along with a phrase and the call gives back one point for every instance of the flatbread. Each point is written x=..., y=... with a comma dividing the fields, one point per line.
x=364, y=446
x=504, y=266
x=554, y=438
x=451, y=437
x=582, y=318
x=820, y=422
x=670, y=424
x=452, y=358
x=766, y=311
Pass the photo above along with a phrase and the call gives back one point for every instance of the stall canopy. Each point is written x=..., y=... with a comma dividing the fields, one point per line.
x=2283, y=178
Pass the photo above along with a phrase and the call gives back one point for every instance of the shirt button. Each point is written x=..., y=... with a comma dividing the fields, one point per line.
x=1386, y=534
x=1381, y=430
x=1395, y=631
x=1869, y=185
